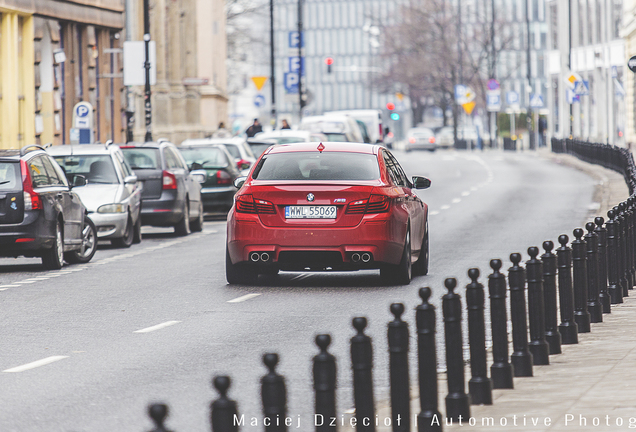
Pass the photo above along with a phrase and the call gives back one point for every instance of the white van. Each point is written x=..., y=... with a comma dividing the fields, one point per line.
x=338, y=128
x=371, y=118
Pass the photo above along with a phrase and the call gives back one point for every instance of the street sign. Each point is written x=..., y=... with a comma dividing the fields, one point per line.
x=259, y=100
x=631, y=64
x=536, y=101
x=463, y=94
x=290, y=81
x=469, y=107
x=82, y=123
x=572, y=97
x=493, y=101
x=571, y=79
x=295, y=40
x=512, y=99
x=582, y=88
x=493, y=84
x=259, y=81
x=134, y=59
x=294, y=63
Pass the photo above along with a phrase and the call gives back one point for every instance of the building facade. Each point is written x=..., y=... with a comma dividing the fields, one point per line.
x=54, y=54
x=590, y=49
x=629, y=35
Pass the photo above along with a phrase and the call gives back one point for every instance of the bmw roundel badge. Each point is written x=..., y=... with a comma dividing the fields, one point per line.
x=310, y=197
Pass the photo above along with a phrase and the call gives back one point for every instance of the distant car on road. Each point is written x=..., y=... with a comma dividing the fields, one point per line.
x=217, y=193
x=337, y=128
x=41, y=215
x=371, y=118
x=171, y=194
x=237, y=147
x=420, y=139
x=112, y=193
x=288, y=136
x=327, y=206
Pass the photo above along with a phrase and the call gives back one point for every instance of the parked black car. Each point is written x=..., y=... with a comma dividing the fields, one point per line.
x=171, y=196
x=221, y=170
x=40, y=215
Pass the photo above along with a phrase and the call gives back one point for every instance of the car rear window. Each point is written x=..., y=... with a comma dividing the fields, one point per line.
x=234, y=150
x=289, y=140
x=206, y=157
x=317, y=166
x=142, y=158
x=10, y=176
x=96, y=168
x=333, y=137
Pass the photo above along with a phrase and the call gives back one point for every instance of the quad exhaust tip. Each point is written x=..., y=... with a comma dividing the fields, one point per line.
x=254, y=256
x=264, y=257
x=355, y=257
x=259, y=256
x=366, y=257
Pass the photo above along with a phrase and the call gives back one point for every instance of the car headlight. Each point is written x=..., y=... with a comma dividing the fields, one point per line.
x=112, y=208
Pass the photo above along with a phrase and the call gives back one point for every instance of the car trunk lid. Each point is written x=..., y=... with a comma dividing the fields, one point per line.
x=152, y=181
x=11, y=194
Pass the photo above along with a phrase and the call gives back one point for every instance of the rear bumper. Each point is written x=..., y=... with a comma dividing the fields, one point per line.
x=109, y=225
x=373, y=235
x=217, y=198
x=34, y=226
x=164, y=211
x=421, y=146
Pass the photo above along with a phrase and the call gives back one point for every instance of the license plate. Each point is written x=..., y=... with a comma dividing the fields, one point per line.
x=310, y=212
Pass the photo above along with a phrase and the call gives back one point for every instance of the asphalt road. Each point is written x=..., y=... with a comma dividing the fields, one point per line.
x=155, y=322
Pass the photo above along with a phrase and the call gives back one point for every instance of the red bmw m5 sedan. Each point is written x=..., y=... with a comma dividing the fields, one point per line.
x=327, y=206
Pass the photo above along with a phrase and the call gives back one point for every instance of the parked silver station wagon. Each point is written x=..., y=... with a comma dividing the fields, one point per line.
x=112, y=194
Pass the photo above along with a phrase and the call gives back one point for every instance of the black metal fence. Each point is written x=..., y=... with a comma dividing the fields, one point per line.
x=586, y=278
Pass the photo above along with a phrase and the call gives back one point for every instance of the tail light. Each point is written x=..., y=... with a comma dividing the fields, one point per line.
x=375, y=204
x=243, y=164
x=247, y=204
x=223, y=178
x=169, y=181
x=431, y=140
x=32, y=200
x=412, y=140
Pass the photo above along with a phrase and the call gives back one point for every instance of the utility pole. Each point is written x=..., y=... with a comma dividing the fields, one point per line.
x=130, y=97
x=147, y=106
x=301, y=99
x=272, y=78
x=570, y=63
x=493, y=73
x=529, y=88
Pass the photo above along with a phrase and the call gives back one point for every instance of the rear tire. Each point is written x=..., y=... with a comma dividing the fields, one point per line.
x=53, y=258
x=89, y=244
x=197, y=224
x=183, y=227
x=127, y=240
x=240, y=273
x=420, y=267
x=401, y=273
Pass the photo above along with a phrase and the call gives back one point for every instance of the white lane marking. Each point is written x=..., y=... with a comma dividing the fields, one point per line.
x=9, y=286
x=26, y=282
x=434, y=212
x=50, y=275
x=474, y=188
x=35, y=364
x=466, y=193
x=456, y=200
x=157, y=327
x=445, y=207
x=243, y=298
x=3, y=289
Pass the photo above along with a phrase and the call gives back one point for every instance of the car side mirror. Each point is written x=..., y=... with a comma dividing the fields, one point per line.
x=421, y=182
x=199, y=175
x=79, y=180
x=239, y=182
x=130, y=180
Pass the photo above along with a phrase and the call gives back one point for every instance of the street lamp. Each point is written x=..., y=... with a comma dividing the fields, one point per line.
x=147, y=106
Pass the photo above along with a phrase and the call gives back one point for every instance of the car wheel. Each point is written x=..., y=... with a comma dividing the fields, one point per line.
x=137, y=231
x=197, y=224
x=420, y=267
x=127, y=240
x=401, y=273
x=239, y=273
x=89, y=244
x=183, y=227
x=53, y=258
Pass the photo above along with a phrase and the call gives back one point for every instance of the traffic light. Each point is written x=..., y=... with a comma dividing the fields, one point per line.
x=395, y=116
x=329, y=62
x=390, y=106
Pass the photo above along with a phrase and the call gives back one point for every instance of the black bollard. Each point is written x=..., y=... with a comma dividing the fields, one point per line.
x=568, y=327
x=429, y=418
x=627, y=216
x=362, y=364
x=536, y=309
x=622, y=247
x=158, y=413
x=324, y=385
x=630, y=241
x=594, y=306
x=479, y=386
x=632, y=224
x=457, y=401
x=398, y=336
x=614, y=288
x=579, y=273
x=604, y=297
x=552, y=335
x=273, y=396
x=501, y=370
x=223, y=410
x=521, y=357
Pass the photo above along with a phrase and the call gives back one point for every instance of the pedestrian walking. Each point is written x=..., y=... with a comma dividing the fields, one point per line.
x=285, y=125
x=254, y=129
x=222, y=132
